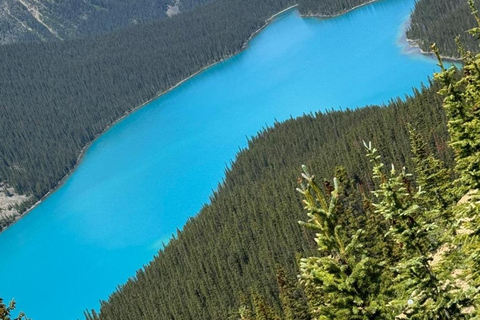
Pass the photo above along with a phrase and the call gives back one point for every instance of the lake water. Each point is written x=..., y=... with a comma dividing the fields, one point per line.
x=129, y=193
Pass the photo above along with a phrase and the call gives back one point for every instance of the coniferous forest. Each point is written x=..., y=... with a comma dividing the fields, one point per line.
x=440, y=22
x=250, y=229
x=379, y=241
x=395, y=230
x=58, y=96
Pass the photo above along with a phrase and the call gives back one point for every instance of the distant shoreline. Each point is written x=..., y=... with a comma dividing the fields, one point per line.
x=414, y=45
x=127, y=113
x=328, y=16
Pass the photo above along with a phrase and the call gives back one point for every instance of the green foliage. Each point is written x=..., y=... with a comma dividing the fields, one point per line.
x=436, y=275
x=292, y=298
x=6, y=311
x=432, y=176
x=245, y=311
x=262, y=310
x=461, y=103
x=343, y=278
x=420, y=290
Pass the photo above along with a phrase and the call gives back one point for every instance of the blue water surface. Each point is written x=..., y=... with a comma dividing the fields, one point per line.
x=152, y=171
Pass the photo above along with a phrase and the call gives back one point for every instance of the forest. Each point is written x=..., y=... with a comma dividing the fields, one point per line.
x=250, y=228
x=392, y=233
x=440, y=22
x=251, y=240
x=58, y=96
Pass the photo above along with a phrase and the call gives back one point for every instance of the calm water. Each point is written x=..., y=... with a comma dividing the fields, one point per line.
x=147, y=175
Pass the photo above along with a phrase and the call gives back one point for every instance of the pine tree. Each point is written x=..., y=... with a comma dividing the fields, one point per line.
x=422, y=289
x=341, y=283
x=462, y=104
x=245, y=311
x=431, y=174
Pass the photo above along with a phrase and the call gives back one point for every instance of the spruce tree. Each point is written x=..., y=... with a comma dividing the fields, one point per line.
x=245, y=311
x=342, y=282
x=431, y=173
x=462, y=104
x=421, y=288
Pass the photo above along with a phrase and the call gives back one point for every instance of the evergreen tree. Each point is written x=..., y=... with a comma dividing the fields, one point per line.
x=6, y=310
x=292, y=298
x=263, y=311
x=422, y=290
x=461, y=102
x=245, y=311
x=431, y=174
x=341, y=283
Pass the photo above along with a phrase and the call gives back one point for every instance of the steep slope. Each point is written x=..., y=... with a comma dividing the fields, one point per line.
x=41, y=20
x=250, y=228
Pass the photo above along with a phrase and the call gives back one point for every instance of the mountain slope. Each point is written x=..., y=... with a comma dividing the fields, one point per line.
x=42, y=20
x=57, y=96
x=250, y=228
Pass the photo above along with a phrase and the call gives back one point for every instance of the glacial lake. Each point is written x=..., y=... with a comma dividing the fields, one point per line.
x=130, y=194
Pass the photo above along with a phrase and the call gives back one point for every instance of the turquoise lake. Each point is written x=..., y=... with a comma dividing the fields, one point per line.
x=128, y=194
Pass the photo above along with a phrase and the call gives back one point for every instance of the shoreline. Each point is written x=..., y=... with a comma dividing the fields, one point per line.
x=413, y=45
x=328, y=16
x=83, y=151
x=127, y=113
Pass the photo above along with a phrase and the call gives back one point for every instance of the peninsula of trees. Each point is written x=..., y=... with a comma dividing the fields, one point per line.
x=440, y=22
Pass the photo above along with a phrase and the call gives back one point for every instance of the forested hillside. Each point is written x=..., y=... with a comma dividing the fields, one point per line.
x=58, y=96
x=238, y=242
x=27, y=20
x=440, y=21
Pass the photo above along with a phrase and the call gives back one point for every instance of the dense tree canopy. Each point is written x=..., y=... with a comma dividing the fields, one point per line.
x=250, y=227
x=440, y=21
